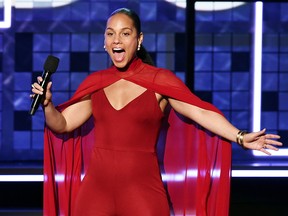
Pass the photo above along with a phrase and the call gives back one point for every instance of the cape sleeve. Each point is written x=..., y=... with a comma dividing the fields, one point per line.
x=196, y=163
x=202, y=159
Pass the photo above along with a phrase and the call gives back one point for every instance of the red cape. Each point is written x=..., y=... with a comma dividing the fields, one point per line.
x=196, y=163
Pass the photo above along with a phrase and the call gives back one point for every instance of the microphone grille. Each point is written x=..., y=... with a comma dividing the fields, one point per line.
x=51, y=64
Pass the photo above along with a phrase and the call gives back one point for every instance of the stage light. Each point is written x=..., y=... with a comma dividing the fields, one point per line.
x=259, y=173
x=257, y=66
x=165, y=177
x=257, y=77
x=6, y=23
x=21, y=178
x=208, y=5
x=18, y=4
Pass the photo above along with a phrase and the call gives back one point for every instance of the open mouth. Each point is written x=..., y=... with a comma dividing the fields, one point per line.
x=118, y=50
x=119, y=54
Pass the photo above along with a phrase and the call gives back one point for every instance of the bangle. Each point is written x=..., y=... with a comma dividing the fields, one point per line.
x=240, y=138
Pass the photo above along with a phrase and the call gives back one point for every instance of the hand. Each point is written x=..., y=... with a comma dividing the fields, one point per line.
x=261, y=141
x=37, y=89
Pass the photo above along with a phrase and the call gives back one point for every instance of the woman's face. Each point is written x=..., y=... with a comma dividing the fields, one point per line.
x=121, y=39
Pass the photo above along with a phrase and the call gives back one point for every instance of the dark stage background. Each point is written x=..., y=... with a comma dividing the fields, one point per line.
x=209, y=49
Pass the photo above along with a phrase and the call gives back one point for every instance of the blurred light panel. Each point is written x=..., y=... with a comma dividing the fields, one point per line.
x=165, y=177
x=208, y=5
x=257, y=67
x=6, y=23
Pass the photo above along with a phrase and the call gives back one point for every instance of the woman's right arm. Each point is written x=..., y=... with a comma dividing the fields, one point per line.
x=67, y=120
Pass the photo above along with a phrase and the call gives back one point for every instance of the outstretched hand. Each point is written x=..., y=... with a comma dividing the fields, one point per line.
x=37, y=89
x=261, y=141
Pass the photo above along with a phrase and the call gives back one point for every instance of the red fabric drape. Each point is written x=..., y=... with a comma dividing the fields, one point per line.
x=196, y=163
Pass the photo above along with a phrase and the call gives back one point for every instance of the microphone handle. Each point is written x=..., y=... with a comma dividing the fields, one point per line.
x=38, y=98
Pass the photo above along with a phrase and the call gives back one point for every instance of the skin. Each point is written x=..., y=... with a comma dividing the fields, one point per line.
x=121, y=34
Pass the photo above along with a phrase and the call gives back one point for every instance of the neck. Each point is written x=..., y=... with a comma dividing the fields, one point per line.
x=127, y=66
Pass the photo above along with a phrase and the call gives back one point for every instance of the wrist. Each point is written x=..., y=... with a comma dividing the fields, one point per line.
x=47, y=104
x=240, y=138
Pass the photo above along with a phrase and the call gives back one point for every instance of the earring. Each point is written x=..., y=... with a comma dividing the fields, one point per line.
x=104, y=47
x=139, y=46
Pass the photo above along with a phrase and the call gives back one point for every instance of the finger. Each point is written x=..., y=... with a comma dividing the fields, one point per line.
x=273, y=142
x=39, y=79
x=272, y=136
x=49, y=85
x=271, y=147
x=36, y=86
x=265, y=151
x=260, y=133
x=37, y=91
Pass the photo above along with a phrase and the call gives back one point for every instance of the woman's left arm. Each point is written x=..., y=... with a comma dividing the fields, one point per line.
x=219, y=125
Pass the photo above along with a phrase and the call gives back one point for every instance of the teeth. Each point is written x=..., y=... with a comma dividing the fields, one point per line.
x=118, y=50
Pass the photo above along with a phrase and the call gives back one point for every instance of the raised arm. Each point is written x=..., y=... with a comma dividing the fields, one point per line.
x=67, y=120
x=219, y=125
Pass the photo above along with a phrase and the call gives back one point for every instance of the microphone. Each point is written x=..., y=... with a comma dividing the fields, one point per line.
x=50, y=67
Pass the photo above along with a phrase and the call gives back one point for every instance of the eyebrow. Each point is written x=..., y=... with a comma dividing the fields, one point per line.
x=125, y=28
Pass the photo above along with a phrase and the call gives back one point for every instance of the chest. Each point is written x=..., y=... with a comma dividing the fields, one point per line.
x=122, y=92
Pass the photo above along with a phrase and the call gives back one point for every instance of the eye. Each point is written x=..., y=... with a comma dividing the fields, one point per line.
x=109, y=33
x=126, y=34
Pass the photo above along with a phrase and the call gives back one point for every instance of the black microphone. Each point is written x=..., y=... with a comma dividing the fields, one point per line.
x=50, y=67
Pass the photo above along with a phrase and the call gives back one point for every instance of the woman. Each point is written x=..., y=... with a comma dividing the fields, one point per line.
x=127, y=103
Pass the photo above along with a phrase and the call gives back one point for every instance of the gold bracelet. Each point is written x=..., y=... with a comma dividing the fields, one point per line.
x=240, y=138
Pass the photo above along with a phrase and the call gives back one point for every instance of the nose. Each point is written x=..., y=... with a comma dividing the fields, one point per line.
x=116, y=39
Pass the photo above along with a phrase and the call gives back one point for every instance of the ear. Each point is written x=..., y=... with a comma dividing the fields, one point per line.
x=104, y=42
x=140, y=38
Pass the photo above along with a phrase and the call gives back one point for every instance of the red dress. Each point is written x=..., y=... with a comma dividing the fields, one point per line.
x=195, y=164
x=123, y=176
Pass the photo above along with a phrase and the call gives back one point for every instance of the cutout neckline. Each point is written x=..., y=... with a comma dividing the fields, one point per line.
x=127, y=103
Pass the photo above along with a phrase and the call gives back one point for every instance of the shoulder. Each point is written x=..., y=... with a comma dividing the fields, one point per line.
x=100, y=72
x=97, y=75
x=165, y=75
x=158, y=71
